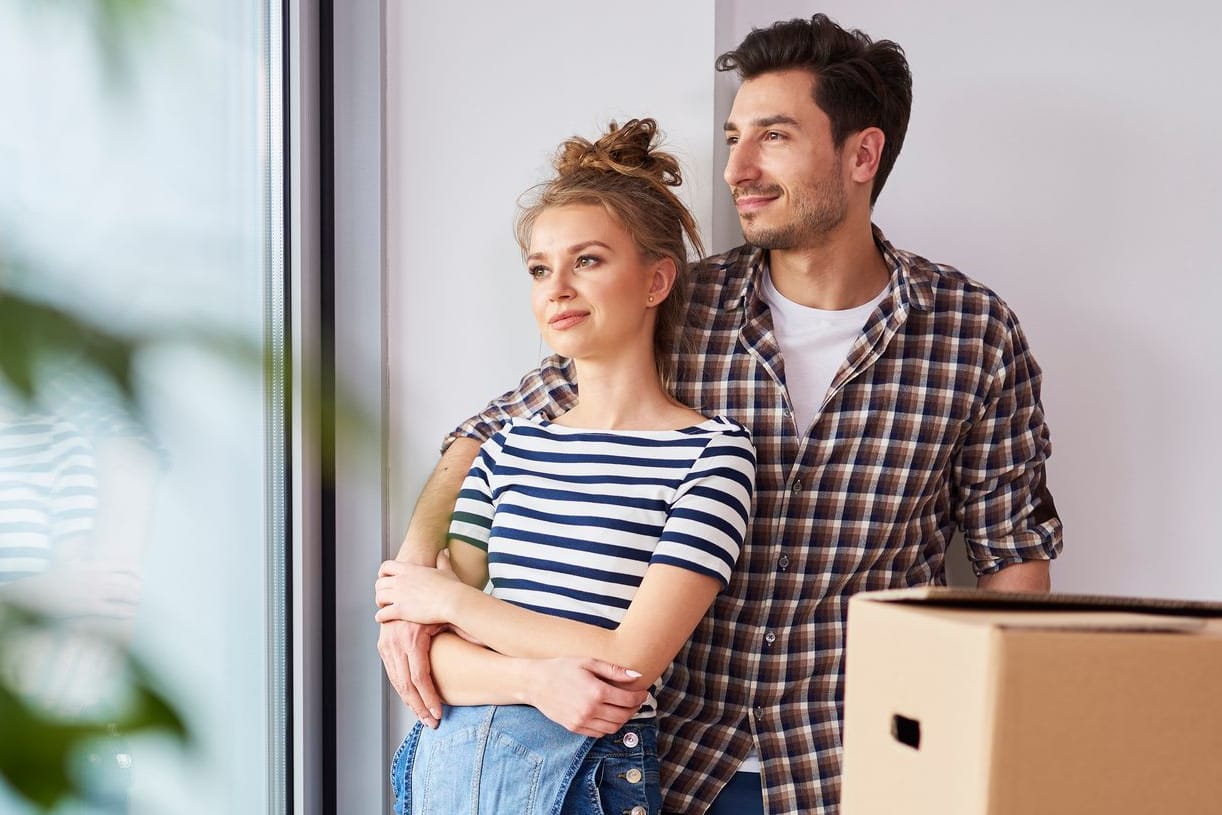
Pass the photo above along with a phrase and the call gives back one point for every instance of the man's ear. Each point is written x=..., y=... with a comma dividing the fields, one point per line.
x=662, y=281
x=867, y=152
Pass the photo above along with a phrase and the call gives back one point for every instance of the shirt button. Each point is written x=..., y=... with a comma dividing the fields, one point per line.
x=631, y=739
x=759, y=713
x=638, y=810
x=783, y=562
x=770, y=638
x=633, y=776
x=797, y=486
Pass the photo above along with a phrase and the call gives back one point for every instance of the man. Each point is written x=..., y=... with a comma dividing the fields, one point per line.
x=891, y=401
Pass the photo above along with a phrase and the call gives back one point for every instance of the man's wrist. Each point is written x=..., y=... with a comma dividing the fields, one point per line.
x=418, y=553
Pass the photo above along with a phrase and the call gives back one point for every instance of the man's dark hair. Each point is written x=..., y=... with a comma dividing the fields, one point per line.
x=859, y=83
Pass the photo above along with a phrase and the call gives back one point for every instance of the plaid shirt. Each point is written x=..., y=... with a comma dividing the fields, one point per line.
x=932, y=423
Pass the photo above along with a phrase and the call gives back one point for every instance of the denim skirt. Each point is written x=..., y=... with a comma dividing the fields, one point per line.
x=491, y=759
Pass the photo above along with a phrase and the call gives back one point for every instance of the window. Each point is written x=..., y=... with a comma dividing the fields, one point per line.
x=141, y=188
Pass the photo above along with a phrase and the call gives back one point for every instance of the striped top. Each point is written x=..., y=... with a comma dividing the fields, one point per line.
x=48, y=491
x=571, y=518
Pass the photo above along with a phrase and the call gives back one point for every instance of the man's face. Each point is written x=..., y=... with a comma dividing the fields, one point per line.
x=786, y=176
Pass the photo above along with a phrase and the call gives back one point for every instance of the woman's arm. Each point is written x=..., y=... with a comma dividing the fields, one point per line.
x=584, y=695
x=666, y=607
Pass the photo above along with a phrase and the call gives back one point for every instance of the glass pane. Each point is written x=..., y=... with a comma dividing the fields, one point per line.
x=139, y=179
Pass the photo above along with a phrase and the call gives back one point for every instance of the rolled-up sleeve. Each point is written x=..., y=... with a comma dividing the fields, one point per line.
x=1004, y=506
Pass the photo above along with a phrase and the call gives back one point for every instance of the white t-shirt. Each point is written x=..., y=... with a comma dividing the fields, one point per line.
x=814, y=344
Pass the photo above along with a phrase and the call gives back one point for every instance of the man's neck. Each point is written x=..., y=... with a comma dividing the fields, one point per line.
x=844, y=271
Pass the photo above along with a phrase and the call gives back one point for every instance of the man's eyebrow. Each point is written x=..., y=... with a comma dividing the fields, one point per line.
x=572, y=250
x=766, y=121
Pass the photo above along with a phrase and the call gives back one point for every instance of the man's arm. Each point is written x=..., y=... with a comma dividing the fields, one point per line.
x=547, y=391
x=1030, y=575
x=1010, y=524
x=404, y=646
x=428, y=531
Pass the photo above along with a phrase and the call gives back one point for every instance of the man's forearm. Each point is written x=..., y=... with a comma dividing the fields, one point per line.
x=1028, y=576
x=426, y=534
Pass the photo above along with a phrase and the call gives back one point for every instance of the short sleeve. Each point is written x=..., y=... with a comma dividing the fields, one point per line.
x=707, y=522
x=472, y=518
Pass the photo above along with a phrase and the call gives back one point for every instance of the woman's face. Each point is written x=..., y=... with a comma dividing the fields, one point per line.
x=591, y=288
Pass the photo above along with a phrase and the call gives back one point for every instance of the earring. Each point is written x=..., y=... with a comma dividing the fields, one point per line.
x=651, y=298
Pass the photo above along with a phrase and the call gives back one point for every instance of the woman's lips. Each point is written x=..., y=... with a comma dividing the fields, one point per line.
x=567, y=319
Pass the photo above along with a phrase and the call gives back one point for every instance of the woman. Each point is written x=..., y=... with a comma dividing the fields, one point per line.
x=606, y=531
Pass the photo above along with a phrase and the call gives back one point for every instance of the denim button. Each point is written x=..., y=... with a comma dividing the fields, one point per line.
x=638, y=811
x=631, y=739
x=633, y=776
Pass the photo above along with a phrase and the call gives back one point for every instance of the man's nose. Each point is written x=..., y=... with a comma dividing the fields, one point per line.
x=742, y=165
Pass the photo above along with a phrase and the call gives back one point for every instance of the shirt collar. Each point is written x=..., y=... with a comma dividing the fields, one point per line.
x=910, y=285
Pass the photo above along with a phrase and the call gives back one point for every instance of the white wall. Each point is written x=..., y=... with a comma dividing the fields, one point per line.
x=1062, y=155
x=1068, y=156
x=476, y=103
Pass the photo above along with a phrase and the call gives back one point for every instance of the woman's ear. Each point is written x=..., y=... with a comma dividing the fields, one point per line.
x=662, y=280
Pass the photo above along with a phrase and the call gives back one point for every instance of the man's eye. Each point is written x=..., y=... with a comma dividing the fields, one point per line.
x=772, y=135
x=731, y=141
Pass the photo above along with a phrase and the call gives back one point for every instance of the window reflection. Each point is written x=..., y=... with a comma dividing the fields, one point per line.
x=135, y=183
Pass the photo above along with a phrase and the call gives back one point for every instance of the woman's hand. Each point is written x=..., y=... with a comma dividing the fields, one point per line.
x=418, y=594
x=583, y=695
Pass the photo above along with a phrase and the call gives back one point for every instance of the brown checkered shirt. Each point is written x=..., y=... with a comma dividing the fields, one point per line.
x=933, y=423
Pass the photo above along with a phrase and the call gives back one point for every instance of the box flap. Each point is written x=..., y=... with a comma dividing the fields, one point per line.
x=983, y=599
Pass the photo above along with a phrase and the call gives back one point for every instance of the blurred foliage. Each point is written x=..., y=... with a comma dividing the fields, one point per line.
x=38, y=747
x=35, y=334
x=113, y=26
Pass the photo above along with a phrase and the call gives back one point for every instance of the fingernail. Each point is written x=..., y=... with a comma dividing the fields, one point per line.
x=436, y=713
x=632, y=673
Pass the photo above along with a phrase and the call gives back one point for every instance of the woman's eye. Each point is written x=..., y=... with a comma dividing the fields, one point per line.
x=536, y=272
x=586, y=260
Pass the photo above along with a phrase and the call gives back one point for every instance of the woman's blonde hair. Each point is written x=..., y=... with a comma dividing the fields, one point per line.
x=626, y=173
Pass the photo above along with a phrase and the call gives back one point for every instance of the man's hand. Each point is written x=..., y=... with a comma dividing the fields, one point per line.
x=584, y=695
x=404, y=648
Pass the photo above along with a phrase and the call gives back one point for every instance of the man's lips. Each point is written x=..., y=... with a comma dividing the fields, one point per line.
x=567, y=319
x=752, y=202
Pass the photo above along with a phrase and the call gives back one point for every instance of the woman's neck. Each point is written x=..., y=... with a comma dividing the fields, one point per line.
x=625, y=397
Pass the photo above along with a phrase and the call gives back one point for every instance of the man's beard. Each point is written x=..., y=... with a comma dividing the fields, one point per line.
x=819, y=209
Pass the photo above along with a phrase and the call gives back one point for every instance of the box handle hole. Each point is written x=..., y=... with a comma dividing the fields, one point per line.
x=906, y=731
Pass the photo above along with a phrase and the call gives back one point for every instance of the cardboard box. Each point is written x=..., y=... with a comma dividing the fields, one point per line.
x=963, y=702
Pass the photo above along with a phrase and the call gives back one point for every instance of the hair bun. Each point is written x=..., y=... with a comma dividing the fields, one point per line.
x=627, y=150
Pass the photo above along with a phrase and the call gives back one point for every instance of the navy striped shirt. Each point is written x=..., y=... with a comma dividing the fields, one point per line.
x=571, y=518
x=48, y=491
